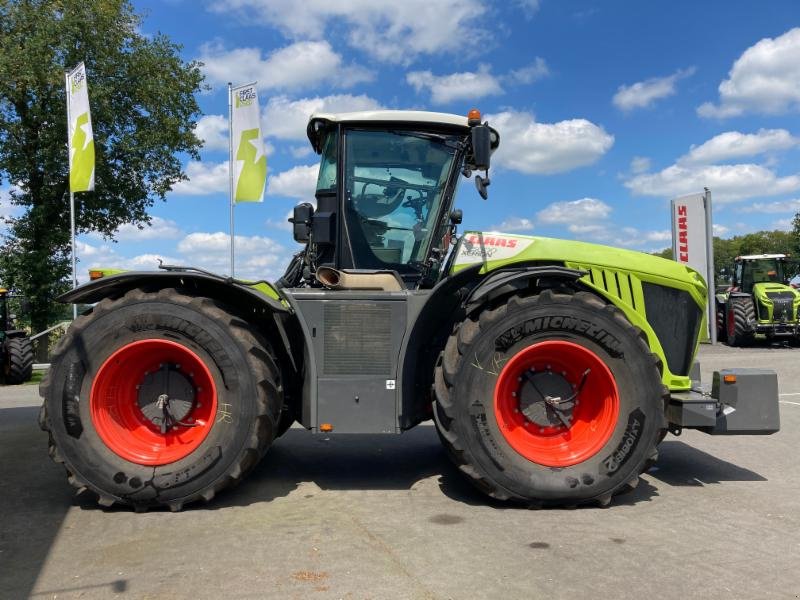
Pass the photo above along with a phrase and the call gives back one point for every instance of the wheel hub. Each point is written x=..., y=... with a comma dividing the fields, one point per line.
x=166, y=396
x=546, y=398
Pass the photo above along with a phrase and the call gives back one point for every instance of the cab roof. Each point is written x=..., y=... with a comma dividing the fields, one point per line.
x=318, y=121
x=758, y=256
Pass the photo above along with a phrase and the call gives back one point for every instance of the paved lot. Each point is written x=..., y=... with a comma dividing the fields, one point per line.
x=388, y=517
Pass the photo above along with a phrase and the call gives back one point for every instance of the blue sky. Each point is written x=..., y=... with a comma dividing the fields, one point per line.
x=605, y=109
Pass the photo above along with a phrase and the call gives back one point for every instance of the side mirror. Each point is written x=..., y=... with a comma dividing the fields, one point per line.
x=301, y=220
x=481, y=147
x=481, y=184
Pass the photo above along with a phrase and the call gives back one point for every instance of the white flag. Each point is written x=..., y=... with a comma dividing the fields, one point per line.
x=81, y=139
x=249, y=158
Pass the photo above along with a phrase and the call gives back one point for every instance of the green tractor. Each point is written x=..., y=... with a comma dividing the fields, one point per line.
x=16, y=350
x=552, y=368
x=759, y=301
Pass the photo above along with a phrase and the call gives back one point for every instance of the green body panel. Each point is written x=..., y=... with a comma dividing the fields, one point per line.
x=268, y=290
x=760, y=296
x=613, y=273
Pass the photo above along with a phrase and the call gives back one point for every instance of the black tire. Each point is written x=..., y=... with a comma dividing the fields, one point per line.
x=239, y=362
x=722, y=334
x=740, y=331
x=468, y=426
x=18, y=367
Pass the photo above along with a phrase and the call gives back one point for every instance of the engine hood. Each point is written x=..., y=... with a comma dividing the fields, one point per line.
x=496, y=250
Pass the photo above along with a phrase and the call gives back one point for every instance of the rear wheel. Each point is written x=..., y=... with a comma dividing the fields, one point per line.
x=160, y=399
x=741, y=317
x=550, y=400
x=18, y=366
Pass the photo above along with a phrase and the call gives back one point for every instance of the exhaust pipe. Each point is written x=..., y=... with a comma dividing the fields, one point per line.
x=333, y=279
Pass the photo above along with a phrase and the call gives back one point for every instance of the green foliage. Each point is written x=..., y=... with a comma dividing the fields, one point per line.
x=143, y=108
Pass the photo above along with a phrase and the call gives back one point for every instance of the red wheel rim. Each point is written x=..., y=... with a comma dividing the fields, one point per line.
x=592, y=420
x=118, y=418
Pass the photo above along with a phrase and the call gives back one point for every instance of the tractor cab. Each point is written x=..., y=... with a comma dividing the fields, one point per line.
x=384, y=194
x=759, y=268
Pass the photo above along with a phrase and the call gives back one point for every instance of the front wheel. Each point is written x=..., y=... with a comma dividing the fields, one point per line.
x=550, y=400
x=160, y=399
x=741, y=318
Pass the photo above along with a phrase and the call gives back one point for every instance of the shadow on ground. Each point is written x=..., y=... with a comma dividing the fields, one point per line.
x=680, y=464
x=34, y=499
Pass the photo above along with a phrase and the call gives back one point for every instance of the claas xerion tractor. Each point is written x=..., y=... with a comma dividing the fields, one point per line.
x=552, y=368
x=16, y=349
x=759, y=301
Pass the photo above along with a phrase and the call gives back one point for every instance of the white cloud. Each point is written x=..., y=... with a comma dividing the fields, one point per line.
x=394, y=31
x=546, y=148
x=106, y=255
x=256, y=256
x=535, y=71
x=784, y=206
x=607, y=232
x=302, y=64
x=456, y=86
x=301, y=151
x=764, y=79
x=204, y=178
x=529, y=7
x=728, y=183
x=574, y=211
x=514, y=224
x=298, y=182
x=213, y=131
x=284, y=225
x=734, y=144
x=640, y=164
x=664, y=235
x=644, y=93
x=158, y=229
x=287, y=119
x=784, y=224
x=719, y=230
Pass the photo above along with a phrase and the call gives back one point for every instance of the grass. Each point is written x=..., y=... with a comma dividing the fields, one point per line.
x=36, y=378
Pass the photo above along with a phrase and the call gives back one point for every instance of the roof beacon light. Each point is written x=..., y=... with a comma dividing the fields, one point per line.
x=474, y=117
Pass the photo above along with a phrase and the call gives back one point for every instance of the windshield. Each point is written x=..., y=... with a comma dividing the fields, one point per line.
x=762, y=270
x=395, y=183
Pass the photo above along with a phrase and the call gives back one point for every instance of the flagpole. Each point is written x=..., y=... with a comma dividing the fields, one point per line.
x=230, y=164
x=71, y=198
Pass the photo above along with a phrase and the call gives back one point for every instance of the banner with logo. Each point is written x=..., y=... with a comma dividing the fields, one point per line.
x=689, y=232
x=250, y=160
x=692, y=245
x=80, y=138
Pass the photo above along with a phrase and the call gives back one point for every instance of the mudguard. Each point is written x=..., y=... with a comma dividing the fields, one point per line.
x=215, y=286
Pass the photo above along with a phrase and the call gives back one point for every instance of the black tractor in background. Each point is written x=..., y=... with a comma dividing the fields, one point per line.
x=16, y=349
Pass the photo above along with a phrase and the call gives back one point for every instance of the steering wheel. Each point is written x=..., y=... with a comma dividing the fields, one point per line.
x=379, y=205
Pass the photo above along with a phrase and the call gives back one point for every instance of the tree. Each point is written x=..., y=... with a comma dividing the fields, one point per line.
x=143, y=108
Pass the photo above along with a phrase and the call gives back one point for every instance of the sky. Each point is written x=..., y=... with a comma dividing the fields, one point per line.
x=606, y=110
